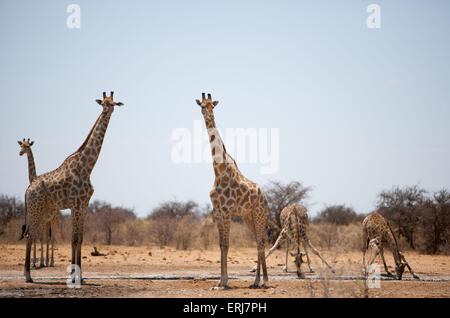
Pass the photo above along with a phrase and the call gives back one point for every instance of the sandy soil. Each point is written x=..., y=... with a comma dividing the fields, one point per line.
x=154, y=272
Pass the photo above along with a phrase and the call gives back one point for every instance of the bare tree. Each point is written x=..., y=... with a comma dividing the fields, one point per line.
x=10, y=208
x=403, y=207
x=175, y=209
x=436, y=221
x=338, y=214
x=106, y=217
x=279, y=196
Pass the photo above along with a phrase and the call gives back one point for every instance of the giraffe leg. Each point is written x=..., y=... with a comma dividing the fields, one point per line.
x=260, y=239
x=374, y=252
x=41, y=261
x=384, y=263
x=224, y=235
x=273, y=248
x=77, y=240
x=315, y=251
x=52, y=240
x=409, y=267
x=27, y=260
x=364, y=250
x=34, y=253
x=47, y=242
x=285, y=268
x=307, y=256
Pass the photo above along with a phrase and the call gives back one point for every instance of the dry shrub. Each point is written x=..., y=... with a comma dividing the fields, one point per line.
x=131, y=232
x=162, y=231
x=11, y=231
x=186, y=232
x=332, y=236
x=209, y=235
x=240, y=236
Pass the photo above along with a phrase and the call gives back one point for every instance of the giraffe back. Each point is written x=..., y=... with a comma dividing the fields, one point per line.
x=295, y=219
x=376, y=226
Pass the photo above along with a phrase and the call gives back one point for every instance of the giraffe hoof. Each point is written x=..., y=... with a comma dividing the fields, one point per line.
x=28, y=280
x=226, y=287
x=253, y=270
x=416, y=277
x=258, y=286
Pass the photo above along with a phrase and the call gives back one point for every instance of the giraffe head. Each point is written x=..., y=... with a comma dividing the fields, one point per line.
x=400, y=267
x=108, y=102
x=25, y=146
x=298, y=263
x=207, y=105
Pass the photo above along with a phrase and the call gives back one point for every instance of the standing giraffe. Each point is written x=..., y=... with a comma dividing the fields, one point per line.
x=233, y=194
x=67, y=187
x=294, y=223
x=376, y=233
x=25, y=148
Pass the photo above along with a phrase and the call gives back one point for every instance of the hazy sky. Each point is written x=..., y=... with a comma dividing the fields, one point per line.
x=358, y=110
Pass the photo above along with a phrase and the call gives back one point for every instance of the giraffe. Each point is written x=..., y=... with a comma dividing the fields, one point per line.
x=234, y=194
x=25, y=148
x=294, y=223
x=67, y=187
x=376, y=233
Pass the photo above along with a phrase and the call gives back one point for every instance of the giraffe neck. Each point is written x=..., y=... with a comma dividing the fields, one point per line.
x=221, y=159
x=31, y=166
x=392, y=242
x=90, y=150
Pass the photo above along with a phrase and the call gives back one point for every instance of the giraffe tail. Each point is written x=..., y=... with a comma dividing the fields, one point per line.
x=24, y=226
x=24, y=231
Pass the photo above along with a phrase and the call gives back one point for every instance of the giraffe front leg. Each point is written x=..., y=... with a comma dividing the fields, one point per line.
x=224, y=236
x=41, y=261
x=315, y=251
x=77, y=240
x=260, y=227
x=47, y=242
x=409, y=267
x=52, y=239
x=384, y=263
x=273, y=248
x=374, y=252
x=34, y=253
x=285, y=268
x=307, y=256
x=28, y=260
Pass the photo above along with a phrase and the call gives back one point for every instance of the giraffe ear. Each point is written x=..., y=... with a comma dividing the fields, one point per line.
x=118, y=104
x=19, y=142
x=32, y=143
x=215, y=103
x=198, y=102
x=99, y=101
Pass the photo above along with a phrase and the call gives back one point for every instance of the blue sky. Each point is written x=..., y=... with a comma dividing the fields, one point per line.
x=358, y=110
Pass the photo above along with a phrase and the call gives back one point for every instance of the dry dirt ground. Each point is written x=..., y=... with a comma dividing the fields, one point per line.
x=154, y=272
